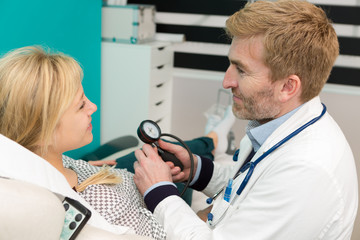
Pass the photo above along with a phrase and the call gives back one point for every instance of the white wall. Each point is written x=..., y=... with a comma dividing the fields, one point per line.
x=195, y=92
x=344, y=108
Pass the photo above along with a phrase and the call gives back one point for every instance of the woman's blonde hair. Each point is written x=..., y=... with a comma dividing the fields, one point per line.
x=298, y=39
x=36, y=88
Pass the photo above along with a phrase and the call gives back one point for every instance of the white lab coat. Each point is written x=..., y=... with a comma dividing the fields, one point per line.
x=306, y=189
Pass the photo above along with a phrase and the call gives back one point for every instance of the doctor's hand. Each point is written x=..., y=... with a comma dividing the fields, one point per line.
x=182, y=154
x=150, y=168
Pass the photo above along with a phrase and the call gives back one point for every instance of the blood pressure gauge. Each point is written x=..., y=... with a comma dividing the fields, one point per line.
x=149, y=131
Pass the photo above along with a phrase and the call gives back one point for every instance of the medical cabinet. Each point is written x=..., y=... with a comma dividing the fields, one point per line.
x=136, y=84
x=129, y=23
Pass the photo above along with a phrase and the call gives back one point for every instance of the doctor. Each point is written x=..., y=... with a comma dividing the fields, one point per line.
x=300, y=182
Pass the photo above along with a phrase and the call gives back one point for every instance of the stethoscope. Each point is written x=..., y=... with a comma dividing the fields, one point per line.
x=251, y=165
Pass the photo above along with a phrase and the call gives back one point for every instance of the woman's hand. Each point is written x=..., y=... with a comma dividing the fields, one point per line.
x=102, y=162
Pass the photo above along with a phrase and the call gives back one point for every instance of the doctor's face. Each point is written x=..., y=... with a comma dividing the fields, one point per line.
x=254, y=95
x=75, y=129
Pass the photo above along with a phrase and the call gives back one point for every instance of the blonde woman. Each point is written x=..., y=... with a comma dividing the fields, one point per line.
x=43, y=107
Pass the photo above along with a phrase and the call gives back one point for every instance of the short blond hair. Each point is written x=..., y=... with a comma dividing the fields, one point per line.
x=298, y=39
x=36, y=87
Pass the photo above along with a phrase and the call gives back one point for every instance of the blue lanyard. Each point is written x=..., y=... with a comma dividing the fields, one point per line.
x=251, y=165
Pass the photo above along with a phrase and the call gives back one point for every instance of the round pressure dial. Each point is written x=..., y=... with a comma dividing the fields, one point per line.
x=149, y=131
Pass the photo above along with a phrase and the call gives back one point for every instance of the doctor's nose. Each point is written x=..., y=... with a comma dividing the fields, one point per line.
x=229, y=80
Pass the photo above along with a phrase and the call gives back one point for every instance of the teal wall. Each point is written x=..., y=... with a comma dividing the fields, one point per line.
x=69, y=26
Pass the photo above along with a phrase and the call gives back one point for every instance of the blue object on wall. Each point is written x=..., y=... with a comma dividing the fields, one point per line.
x=68, y=26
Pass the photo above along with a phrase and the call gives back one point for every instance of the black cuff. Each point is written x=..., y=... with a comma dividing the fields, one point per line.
x=155, y=196
x=206, y=172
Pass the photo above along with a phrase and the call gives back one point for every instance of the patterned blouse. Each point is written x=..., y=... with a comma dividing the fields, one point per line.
x=120, y=204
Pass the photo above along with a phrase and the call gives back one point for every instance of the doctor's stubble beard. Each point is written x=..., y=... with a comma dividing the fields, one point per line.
x=259, y=106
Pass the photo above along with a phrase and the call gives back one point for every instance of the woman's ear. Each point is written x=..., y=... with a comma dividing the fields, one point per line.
x=290, y=88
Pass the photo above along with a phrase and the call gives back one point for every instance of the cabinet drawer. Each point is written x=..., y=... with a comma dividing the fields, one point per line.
x=161, y=55
x=160, y=92
x=160, y=74
x=164, y=123
x=160, y=109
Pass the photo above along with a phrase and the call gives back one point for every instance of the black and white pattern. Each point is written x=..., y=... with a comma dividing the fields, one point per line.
x=119, y=204
x=202, y=23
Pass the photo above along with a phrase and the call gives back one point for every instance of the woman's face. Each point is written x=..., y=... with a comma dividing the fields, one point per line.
x=75, y=129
